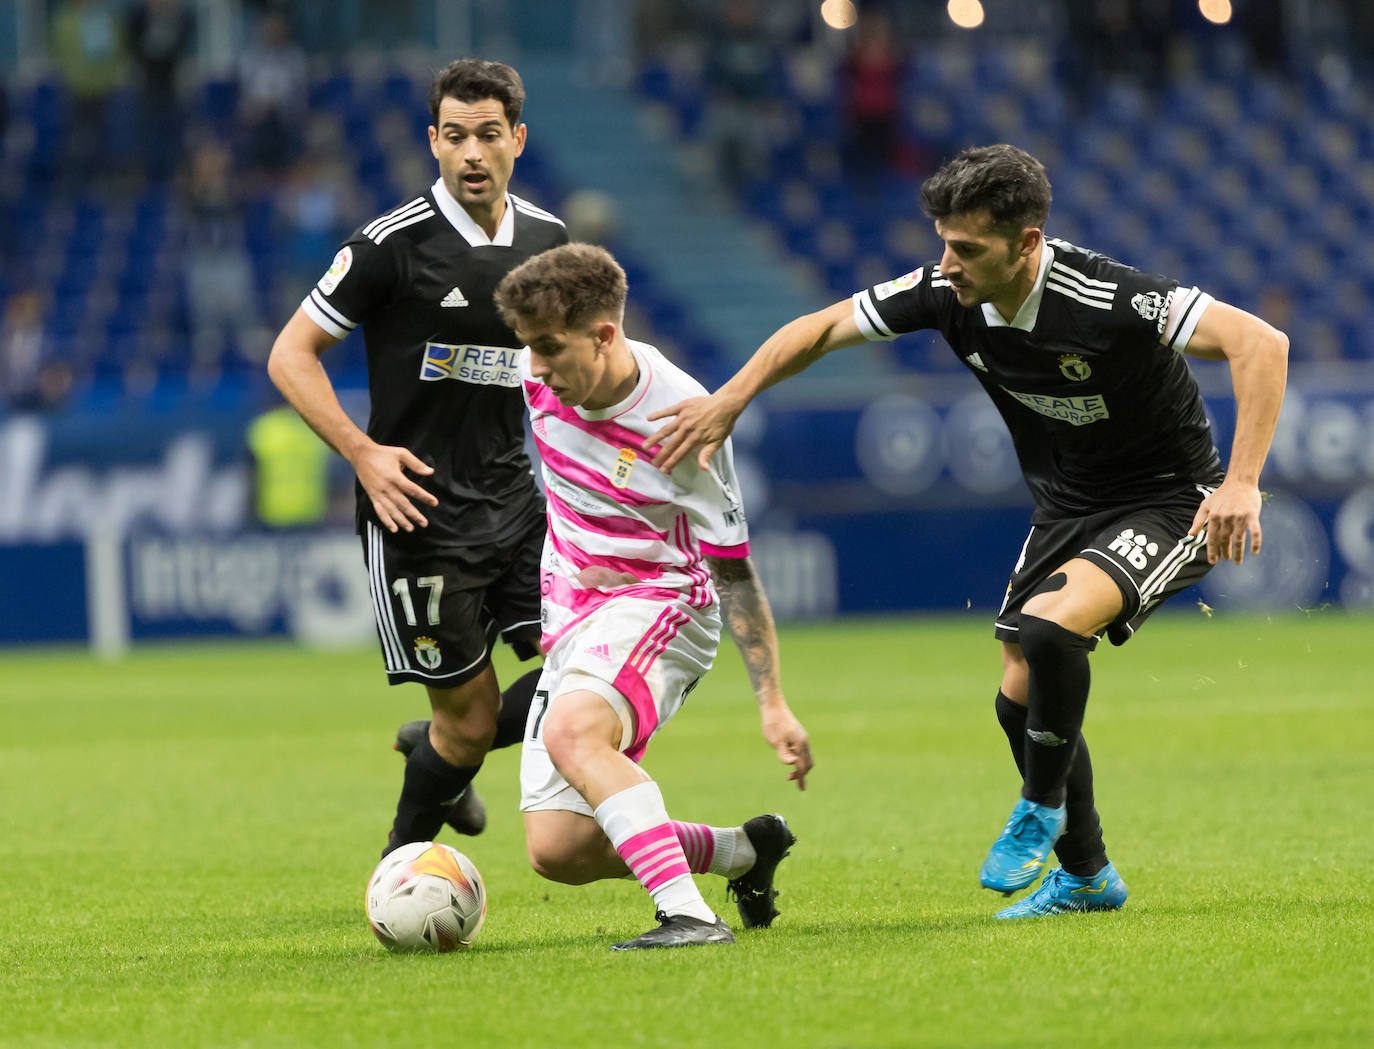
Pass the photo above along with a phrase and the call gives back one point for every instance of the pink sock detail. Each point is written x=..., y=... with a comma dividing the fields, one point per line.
x=698, y=845
x=654, y=856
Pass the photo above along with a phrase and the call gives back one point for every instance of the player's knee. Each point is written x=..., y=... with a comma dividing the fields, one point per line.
x=1044, y=641
x=555, y=859
x=572, y=736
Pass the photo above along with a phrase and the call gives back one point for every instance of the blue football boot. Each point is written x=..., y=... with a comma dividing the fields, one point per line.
x=1019, y=856
x=1061, y=892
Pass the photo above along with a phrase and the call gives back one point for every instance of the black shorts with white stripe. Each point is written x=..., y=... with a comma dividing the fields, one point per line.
x=439, y=612
x=1145, y=548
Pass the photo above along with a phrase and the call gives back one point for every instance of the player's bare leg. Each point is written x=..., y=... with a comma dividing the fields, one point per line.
x=570, y=848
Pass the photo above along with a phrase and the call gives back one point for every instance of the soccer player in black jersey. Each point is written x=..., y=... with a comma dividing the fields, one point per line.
x=451, y=520
x=1081, y=355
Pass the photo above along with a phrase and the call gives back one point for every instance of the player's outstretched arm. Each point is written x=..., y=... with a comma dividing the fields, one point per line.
x=702, y=423
x=1258, y=357
x=748, y=617
x=295, y=368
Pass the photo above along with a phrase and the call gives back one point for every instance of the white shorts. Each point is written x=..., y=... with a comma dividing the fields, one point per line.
x=643, y=657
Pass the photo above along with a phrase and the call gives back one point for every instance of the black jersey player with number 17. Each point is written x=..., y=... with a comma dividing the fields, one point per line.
x=451, y=520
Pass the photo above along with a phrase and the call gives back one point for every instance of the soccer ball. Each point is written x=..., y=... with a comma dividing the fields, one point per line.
x=426, y=898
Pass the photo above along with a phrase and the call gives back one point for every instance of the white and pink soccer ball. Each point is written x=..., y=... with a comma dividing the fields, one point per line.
x=426, y=898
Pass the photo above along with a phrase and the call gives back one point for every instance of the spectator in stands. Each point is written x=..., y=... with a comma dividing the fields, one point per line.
x=28, y=382
x=91, y=56
x=871, y=76
x=160, y=34
x=330, y=26
x=602, y=38
x=742, y=76
x=1109, y=38
x=273, y=82
x=220, y=297
x=290, y=470
x=318, y=204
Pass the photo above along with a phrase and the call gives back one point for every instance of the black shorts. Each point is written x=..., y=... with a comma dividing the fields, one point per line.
x=1145, y=548
x=439, y=612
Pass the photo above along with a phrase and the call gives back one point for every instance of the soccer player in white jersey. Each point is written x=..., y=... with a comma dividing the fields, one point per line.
x=1082, y=356
x=639, y=568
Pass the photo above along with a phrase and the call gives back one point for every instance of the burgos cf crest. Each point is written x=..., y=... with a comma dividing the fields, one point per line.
x=427, y=652
x=625, y=462
x=1074, y=367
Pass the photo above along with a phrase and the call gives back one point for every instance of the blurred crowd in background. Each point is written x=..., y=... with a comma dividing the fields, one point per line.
x=175, y=173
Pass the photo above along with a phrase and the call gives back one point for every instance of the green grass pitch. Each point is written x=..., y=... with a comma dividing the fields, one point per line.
x=186, y=836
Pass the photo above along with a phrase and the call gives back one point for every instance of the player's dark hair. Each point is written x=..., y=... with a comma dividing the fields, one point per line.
x=1009, y=182
x=570, y=285
x=474, y=80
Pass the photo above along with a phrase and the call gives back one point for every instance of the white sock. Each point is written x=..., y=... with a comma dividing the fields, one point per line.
x=734, y=852
x=637, y=823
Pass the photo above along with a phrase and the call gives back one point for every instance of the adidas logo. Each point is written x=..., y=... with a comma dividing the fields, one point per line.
x=601, y=652
x=454, y=298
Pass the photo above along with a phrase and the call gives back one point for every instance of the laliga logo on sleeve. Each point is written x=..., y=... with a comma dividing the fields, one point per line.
x=620, y=473
x=342, y=261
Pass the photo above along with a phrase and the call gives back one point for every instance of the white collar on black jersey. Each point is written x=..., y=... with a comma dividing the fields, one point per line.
x=1030, y=309
x=474, y=234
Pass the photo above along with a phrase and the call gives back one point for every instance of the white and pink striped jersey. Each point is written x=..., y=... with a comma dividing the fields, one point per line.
x=618, y=526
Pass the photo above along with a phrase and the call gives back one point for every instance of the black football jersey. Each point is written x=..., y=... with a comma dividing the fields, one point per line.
x=441, y=365
x=1088, y=376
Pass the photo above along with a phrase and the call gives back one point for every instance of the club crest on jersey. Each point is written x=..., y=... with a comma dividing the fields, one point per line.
x=427, y=652
x=337, y=270
x=624, y=463
x=1074, y=367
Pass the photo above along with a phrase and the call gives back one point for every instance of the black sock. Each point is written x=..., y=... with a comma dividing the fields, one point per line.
x=431, y=784
x=1012, y=717
x=1081, y=850
x=1059, y=677
x=515, y=709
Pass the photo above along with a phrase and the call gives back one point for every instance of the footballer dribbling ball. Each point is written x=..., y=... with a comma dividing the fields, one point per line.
x=426, y=898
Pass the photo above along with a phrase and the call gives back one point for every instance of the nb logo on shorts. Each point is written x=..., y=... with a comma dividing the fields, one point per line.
x=1134, y=547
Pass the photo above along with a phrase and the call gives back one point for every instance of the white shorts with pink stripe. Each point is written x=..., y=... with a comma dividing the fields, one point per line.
x=643, y=657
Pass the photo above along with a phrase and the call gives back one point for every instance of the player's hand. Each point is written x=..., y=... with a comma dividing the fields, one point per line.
x=699, y=423
x=381, y=470
x=785, y=735
x=1228, y=514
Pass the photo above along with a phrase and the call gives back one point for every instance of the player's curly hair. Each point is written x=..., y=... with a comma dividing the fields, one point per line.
x=1009, y=182
x=474, y=80
x=571, y=285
